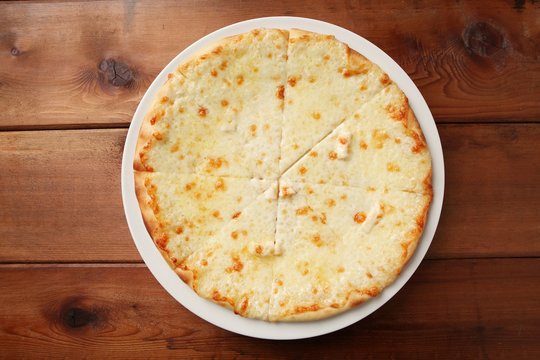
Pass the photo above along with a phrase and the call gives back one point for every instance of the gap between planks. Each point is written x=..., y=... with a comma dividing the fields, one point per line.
x=113, y=126
x=140, y=263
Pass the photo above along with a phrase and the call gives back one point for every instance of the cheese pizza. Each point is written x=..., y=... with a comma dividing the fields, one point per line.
x=283, y=175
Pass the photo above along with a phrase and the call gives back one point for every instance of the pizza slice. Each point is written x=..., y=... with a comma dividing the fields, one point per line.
x=326, y=82
x=181, y=211
x=340, y=246
x=220, y=114
x=380, y=147
x=234, y=268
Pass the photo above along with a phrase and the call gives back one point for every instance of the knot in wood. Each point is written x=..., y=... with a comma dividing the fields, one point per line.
x=75, y=317
x=116, y=73
x=15, y=52
x=483, y=39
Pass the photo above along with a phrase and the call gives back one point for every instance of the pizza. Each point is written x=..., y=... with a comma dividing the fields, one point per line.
x=283, y=175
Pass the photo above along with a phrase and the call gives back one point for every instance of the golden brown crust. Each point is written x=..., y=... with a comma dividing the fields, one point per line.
x=149, y=217
x=186, y=275
x=144, y=141
x=311, y=315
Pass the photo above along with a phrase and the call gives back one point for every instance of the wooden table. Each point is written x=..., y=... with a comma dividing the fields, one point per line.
x=71, y=280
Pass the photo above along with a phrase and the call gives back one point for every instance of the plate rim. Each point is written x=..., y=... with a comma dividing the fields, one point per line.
x=225, y=318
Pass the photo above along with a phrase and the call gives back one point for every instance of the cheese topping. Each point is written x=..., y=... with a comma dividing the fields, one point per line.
x=266, y=249
x=271, y=192
x=286, y=190
x=342, y=145
x=372, y=218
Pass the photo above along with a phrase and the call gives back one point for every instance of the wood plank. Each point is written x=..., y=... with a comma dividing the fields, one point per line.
x=60, y=60
x=60, y=195
x=449, y=309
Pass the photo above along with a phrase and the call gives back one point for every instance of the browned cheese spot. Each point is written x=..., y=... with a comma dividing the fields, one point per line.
x=203, y=111
x=158, y=135
x=240, y=79
x=385, y=80
x=292, y=81
x=340, y=269
x=236, y=215
x=330, y=202
x=313, y=154
x=181, y=109
x=174, y=148
x=359, y=217
x=224, y=103
x=379, y=137
x=303, y=210
x=316, y=115
x=332, y=155
x=280, y=93
x=392, y=167
x=204, y=262
x=179, y=230
x=253, y=129
x=295, y=146
x=302, y=170
x=164, y=99
x=216, y=214
x=363, y=145
x=223, y=65
x=220, y=185
x=316, y=239
x=237, y=265
x=216, y=163
x=213, y=72
x=234, y=235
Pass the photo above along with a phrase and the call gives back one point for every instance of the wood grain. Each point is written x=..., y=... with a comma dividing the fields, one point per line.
x=449, y=309
x=87, y=63
x=60, y=195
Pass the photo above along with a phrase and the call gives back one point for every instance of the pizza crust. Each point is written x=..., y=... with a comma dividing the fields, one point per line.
x=150, y=221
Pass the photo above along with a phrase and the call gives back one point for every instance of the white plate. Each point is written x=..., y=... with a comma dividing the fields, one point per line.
x=216, y=314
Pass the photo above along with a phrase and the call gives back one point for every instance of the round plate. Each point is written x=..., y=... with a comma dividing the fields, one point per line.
x=218, y=315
